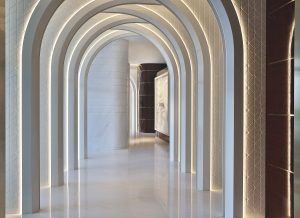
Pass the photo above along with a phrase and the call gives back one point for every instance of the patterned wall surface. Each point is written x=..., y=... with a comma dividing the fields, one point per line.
x=252, y=16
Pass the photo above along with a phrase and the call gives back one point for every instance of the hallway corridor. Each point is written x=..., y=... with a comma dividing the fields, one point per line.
x=130, y=183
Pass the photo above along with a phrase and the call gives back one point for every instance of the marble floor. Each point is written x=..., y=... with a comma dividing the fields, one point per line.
x=138, y=182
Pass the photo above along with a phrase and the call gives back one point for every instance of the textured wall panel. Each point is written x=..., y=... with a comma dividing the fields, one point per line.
x=252, y=16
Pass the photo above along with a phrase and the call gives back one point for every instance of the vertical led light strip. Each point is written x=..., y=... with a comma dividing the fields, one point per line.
x=20, y=96
x=291, y=34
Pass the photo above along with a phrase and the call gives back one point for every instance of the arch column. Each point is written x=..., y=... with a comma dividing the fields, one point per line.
x=2, y=110
x=30, y=105
x=234, y=111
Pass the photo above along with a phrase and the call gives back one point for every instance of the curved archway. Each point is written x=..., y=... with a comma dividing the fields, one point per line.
x=94, y=50
x=183, y=146
x=150, y=34
x=124, y=22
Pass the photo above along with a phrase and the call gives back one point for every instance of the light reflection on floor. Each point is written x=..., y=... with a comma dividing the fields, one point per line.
x=138, y=182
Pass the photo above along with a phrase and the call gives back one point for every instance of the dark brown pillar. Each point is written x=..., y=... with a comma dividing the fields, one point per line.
x=279, y=108
x=147, y=74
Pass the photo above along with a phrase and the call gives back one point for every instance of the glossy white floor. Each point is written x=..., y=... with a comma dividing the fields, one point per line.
x=135, y=183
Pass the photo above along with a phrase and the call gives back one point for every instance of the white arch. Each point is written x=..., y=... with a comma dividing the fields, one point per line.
x=234, y=93
x=26, y=82
x=188, y=95
x=75, y=45
x=90, y=57
x=75, y=65
x=165, y=57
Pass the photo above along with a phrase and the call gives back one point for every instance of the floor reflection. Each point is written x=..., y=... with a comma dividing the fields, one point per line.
x=135, y=183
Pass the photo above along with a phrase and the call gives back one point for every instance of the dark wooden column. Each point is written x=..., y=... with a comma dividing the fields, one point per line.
x=147, y=74
x=279, y=108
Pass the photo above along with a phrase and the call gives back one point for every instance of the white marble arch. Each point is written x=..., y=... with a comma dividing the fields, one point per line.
x=32, y=35
x=175, y=116
x=73, y=137
x=55, y=56
x=84, y=69
x=54, y=95
x=95, y=29
x=174, y=134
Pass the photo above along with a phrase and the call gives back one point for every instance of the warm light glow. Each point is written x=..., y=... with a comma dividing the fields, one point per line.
x=289, y=143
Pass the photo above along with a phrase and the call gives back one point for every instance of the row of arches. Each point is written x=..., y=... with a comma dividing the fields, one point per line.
x=57, y=50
